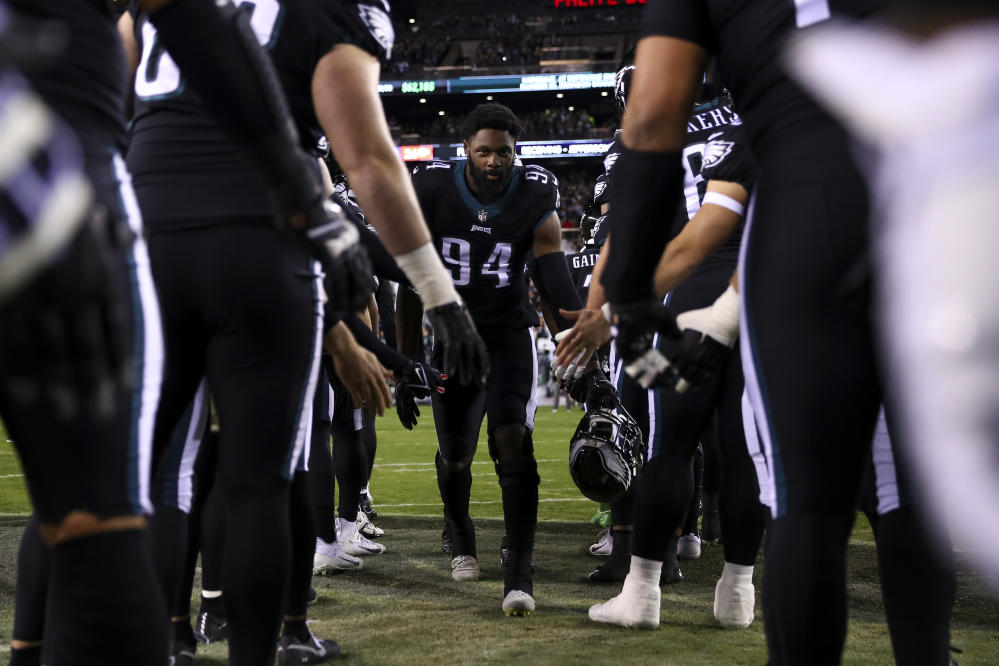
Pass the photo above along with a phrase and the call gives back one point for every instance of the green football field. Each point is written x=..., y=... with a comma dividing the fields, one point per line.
x=403, y=607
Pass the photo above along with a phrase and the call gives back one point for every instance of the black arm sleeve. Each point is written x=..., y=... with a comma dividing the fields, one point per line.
x=385, y=299
x=645, y=191
x=365, y=337
x=551, y=275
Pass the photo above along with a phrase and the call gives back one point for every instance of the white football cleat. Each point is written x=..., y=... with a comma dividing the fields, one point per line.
x=735, y=597
x=355, y=543
x=688, y=547
x=367, y=528
x=331, y=559
x=465, y=568
x=637, y=607
x=518, y=603
x=604, y=545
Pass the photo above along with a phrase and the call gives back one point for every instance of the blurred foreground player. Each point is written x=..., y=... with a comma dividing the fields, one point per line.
x=806, y=341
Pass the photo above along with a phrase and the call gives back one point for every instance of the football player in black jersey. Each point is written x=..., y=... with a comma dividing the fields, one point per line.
x=486, y=213
x=806, y=336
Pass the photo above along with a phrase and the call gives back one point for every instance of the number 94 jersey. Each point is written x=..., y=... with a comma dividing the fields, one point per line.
x=484, y=246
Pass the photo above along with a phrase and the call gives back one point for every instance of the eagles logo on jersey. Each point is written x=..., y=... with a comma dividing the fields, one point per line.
x=716, y=150
x=379, y=25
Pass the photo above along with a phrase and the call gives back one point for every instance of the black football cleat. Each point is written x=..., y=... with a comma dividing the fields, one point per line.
x=608, y=572
x=670, y=576
x=313, y=596
x=210, y=628
x=313, y=651
x=181, y=654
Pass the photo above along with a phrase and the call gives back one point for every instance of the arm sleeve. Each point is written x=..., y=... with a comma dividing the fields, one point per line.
x=365, y=337
x=551, y=275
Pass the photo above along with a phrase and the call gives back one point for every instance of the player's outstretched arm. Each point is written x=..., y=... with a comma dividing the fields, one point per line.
x=345, y=95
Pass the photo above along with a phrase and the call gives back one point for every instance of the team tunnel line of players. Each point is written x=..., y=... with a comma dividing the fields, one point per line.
x=240, y=307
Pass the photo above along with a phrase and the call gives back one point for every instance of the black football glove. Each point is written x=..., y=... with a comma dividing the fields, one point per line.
x=65, y=342
x=594, y=390
x=464, y=354
x=336, y=243
x=416, y=382
x=693, y=360
x=635, y=326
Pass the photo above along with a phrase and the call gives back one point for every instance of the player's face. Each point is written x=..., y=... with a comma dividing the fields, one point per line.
x=490, y=161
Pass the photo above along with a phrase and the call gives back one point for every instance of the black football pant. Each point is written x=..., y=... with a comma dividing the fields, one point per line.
x=509, y=402
x=242, y=306
x=808, y=354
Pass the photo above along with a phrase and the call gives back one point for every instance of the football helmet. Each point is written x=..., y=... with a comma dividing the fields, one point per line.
x=622, y=83
x=605, y=454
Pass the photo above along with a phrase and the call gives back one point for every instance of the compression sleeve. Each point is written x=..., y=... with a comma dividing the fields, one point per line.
x=683, y=19
x=646, y=190
x=551, y=275
x=365, y=337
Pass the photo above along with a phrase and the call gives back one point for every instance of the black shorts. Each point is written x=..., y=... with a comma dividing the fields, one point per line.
x=509, y=395
x=101, y=466
x=241, y=306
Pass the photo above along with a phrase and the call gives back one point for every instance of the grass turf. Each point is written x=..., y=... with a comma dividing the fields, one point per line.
x=403, y=607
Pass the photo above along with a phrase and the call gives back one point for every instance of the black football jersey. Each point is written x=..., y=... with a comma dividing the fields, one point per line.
x=581, y=269
x=175, y=145
x=748, y=38
x=485, y=246
x=86, y=83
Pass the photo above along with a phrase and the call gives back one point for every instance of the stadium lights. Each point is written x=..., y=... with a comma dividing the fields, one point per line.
x=603, y=94
x=440, y=113
x=489, y=98
x=412, y=20
x=559, y=95
x=572, y=108
x=423, y=100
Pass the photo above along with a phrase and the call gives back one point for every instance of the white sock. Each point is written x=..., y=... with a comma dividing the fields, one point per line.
x=645, y=572
x=737, y=573
x=345, y=529
x=211, y=594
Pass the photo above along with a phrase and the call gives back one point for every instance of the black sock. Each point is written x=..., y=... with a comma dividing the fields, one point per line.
x=31, y=656
x=256, y=523
x=456, y=487
x=297, y=628
x=917, y=584
x=168, y=543
x=661, y=501
x=213, y=605
x=213, y=533
x=321, y=479
x=620, y=558
x=804, y=588
x=348, y=466
x=369, y=437
x=303, y=546
x=104, y=600
x=519, y=485
x=32, y=585
x=623, y=510
x=694, y=508
x=181, y=631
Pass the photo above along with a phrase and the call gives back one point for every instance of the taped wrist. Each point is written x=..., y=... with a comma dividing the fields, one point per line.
x=426, y=273
x=720, y=320
x=556, y=287
x=365, y=337
x=223, y=62
x=645, y=192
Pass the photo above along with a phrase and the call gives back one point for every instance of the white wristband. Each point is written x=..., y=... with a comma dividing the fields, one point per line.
x=720, y=320
x=725, y=201
x=424, y=269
